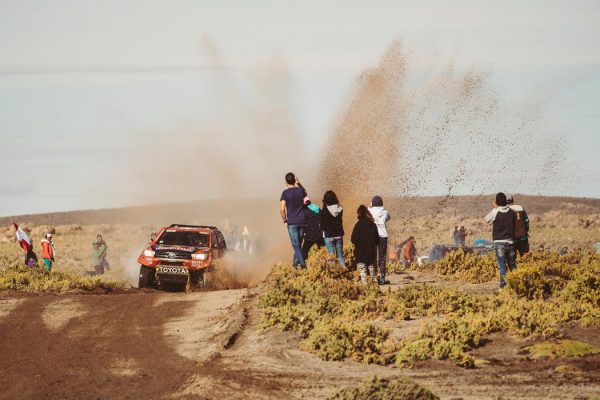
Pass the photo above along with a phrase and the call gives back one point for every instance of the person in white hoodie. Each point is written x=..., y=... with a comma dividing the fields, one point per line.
x=380, y=216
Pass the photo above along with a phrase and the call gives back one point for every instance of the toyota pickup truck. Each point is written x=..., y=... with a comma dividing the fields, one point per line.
x=181, y=254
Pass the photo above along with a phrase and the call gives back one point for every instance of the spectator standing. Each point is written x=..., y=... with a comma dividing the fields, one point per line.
x=48, y=251
x=313, y=234
x=503, y=219
x=26, y=244
x=365, y=237
x=462, y=234
x=31, y=258
x=521, y=226
x=381, y=216
x=410, y=250
x=333, y=227
x=99, y=250
x=292, y=214
x=456, y=235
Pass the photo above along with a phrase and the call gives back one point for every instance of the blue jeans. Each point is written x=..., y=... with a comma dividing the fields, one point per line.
x=336, y=246
x=296, y=233
x=505, y=252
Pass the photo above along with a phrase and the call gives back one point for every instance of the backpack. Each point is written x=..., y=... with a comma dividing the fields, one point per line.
x=521, y=224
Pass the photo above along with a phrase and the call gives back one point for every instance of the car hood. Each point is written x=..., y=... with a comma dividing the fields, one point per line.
x=187, y=249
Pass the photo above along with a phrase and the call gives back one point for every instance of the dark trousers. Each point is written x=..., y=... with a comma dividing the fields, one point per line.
x=522, y=247
x=382, y=255
x=308, y=244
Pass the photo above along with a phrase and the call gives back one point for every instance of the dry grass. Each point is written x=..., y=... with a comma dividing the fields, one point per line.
x=74, y=246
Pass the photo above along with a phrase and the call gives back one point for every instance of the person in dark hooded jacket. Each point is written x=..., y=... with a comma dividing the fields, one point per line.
x=333, y=227
x=365, y=238
x=313, y=233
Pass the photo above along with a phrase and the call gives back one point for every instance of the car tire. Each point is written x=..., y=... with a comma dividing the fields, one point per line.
x=146, y=277
x=197, y=278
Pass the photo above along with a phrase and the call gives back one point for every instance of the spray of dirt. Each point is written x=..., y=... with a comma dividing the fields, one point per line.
x=409, y=131
x=405, y=131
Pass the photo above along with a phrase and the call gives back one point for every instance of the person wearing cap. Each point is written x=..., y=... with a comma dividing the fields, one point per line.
x=521, y=226
x=313, y=233
x=380, y=216
x=48, y=251
x=292, y=213
x=503, y=219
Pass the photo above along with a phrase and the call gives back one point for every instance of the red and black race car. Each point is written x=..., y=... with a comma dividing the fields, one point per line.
x=181, y=253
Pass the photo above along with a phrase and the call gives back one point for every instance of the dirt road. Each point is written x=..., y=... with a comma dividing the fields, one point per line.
x=206, y=345
x=144, y=345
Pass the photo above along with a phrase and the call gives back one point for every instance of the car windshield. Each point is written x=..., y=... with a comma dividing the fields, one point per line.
x=182, y=238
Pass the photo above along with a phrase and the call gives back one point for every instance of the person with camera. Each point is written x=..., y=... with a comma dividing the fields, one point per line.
x=291, y=209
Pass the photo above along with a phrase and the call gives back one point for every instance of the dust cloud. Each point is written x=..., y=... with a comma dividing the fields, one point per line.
x=407, y=129
x=412, y=128
x=233, y=158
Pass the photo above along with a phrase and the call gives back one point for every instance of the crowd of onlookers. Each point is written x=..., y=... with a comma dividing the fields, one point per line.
x=310, y=225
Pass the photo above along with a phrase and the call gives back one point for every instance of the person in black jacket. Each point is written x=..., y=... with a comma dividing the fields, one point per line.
x=313, y=233
x=333, y=227
x=503, y=219
x=365, y=238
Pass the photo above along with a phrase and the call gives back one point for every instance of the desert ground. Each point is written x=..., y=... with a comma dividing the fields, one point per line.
x=210, y=344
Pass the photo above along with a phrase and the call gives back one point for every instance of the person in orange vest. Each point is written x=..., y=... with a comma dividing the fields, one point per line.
x=48, y=251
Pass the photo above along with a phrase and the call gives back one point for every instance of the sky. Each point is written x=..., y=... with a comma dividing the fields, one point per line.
x=83, y=83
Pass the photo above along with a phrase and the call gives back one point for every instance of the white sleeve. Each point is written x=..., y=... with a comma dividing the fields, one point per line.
x=491, y=216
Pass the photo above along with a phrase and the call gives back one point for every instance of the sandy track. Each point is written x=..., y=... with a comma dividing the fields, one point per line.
x=207, y=345
x=144, y=345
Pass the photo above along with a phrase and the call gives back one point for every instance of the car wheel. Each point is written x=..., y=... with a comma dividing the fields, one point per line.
x=146, y=277
x=195, y=277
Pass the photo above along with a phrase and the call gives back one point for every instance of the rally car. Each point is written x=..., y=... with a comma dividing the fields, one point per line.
x=181, y=254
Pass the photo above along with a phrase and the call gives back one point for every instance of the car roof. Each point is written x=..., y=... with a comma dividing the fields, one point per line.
x=183, y=227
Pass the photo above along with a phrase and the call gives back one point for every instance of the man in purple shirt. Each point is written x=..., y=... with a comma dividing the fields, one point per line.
x=292, y=213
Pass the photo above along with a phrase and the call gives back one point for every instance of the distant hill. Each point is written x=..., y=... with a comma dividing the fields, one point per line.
x=213, y=211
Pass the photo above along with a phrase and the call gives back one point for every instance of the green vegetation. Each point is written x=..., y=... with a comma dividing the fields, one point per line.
x=569, y=371
x=24, y=279
x=467, y=267
x=342, y=318
x=376, y=388
x=561, y=349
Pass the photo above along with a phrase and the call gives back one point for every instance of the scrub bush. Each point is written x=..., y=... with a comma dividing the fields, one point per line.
x=340, y=317
x=26, y=279
x=468, y=267
x=376, y=388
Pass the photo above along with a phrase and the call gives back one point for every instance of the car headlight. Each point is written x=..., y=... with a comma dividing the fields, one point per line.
x=200, y=256
x=149, y=253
